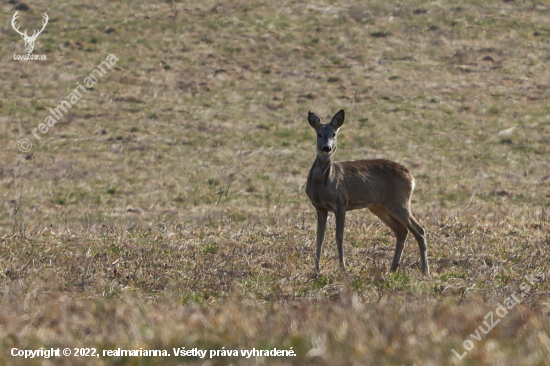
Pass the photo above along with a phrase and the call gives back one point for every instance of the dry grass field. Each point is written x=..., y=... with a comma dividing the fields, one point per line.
x=167, y=209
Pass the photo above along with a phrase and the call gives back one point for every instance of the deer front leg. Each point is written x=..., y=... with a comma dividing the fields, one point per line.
x=340, y=220
x=321, y=225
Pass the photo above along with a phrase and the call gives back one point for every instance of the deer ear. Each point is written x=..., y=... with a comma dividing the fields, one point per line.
x=313, y=120
x=338, y=119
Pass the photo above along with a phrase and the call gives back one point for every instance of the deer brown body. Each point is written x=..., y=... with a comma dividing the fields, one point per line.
x=382, y=186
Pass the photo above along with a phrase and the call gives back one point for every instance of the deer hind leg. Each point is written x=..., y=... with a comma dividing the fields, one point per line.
x=420, y=238
x=403, y=215
x=398, y=229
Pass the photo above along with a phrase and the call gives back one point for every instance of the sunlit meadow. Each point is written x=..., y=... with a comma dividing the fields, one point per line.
x=167, y=208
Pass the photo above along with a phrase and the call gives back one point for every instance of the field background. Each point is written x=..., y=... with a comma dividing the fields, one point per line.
x=167, y=209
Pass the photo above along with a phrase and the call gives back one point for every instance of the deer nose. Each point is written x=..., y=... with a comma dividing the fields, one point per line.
x=326, y=148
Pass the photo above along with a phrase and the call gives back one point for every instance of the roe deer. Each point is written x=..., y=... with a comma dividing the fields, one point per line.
x=382, y=186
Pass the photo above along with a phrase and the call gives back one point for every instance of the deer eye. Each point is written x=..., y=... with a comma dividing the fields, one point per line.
x=333, y=134
x=319, y=135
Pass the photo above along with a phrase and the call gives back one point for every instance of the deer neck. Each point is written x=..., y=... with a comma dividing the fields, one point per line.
x=323, y=162
x=321, y=168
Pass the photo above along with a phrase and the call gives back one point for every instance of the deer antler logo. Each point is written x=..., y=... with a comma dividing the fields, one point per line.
x=29, y=41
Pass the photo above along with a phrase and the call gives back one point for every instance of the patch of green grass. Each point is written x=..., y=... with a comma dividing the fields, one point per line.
x=60, y=200
x=210, y=248
x=450, y=275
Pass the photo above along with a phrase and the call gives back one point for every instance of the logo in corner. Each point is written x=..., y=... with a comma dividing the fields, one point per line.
x=29, y=40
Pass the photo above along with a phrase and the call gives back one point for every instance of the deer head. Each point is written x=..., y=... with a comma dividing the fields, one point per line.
x=29, y=41
x=326, y=133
